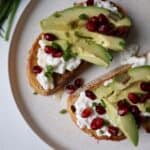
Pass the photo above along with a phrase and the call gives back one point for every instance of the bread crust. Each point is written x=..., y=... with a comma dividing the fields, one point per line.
x=59, y=80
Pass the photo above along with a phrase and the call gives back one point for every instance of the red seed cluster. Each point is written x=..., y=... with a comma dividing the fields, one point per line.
x=71, y=88
x=90, y=94
x=86, y=112
x=37, y=69
x=102, y=25
x=113, y=130
x=49, y=37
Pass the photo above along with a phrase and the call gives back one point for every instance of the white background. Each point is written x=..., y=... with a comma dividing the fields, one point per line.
x=15, y=134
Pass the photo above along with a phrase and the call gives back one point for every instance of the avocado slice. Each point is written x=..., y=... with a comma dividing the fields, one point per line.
x=140, y=73
x=69, y=18
x=127, y=123
x=110, y=42
x=91, y=52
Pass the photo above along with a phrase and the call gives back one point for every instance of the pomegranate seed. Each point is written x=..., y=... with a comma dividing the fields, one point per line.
x=86, y=112
x=113, y=130
x=90, y=94
x=145, y=86
x=133, y=98
x=135, y=110
x=122, y=109
x=37, y=69
x=78, y=82
x=122, y=103
x=121, y=31
x=97, y=123
x=145, y=97
x=48, y=49
x=49, y=37
x=57, y=53
x=102, y=19
x=70, y=88
x=104, y=29
x=91, y=26
x=100, y=109
x=90, y=2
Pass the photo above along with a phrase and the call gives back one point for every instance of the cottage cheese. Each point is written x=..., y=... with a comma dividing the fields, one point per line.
x=83, y=102
x=137, y=61
x=59, y=65
x=108, y=82
x=44, y=82
x=106, y=4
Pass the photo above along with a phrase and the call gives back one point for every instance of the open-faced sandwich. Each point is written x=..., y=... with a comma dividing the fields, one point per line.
x=73, y=38
x=114, y=106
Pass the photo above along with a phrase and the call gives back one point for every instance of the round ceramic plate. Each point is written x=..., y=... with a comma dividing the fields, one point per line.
x=42, y=113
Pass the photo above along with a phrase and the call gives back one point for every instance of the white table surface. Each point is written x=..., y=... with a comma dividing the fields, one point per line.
x=15, y=134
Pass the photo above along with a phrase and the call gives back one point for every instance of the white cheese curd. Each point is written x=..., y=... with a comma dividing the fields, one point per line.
x=135, y=61
x=42, y=43
x=107, y=82
x=103, y=131
x=44, y=82
x=82, y=103
x=147, y=114
x=44, y=59
x=148, y=59
x=59, y=64
x=73, y=63
x=106, y=4
x=61, y=67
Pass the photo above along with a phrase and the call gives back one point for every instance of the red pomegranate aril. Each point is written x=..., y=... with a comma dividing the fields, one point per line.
x=91, y=26
x=48, y=49
x=144, y=97
x=123, y=110
x=49, y=37
x=113, y=130
x=104, y=29
x=102, y=19
x=90, y=2
x=145, y=86
x=135, y=110
x=133, y=98
x=70, y=88
x=37, y=69
x=100, y=109
x=97, y=123
x=78, y=82
x=57, y=53
x=121, y=31
x=86, y=112
x=90, y=94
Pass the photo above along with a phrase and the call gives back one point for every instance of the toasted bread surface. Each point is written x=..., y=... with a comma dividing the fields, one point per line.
x=59, y=80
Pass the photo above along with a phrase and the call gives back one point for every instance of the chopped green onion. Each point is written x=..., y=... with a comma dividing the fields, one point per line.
x=63, y=111
x=49, y=71
x=83, y=16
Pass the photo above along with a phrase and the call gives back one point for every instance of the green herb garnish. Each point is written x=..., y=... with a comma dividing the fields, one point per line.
x=35, y=93
x=94, y=104
x=49, y=71
x=148, y=109
x=102, y=103
x=68, y=54
x=101, y=131
x=122, y=44
x=56, y=46
x=7, y=13
x=57, y=14
x=63, y=111
x=83, y=16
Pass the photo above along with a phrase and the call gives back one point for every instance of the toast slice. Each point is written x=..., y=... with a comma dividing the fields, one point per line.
x=91, y=86
x=59, y=80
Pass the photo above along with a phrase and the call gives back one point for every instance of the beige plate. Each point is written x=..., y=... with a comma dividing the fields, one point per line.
x=42, y=113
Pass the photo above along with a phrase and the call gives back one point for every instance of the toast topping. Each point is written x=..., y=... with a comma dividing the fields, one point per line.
x=91, y=114
x=137, y=61
x=50, y=54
